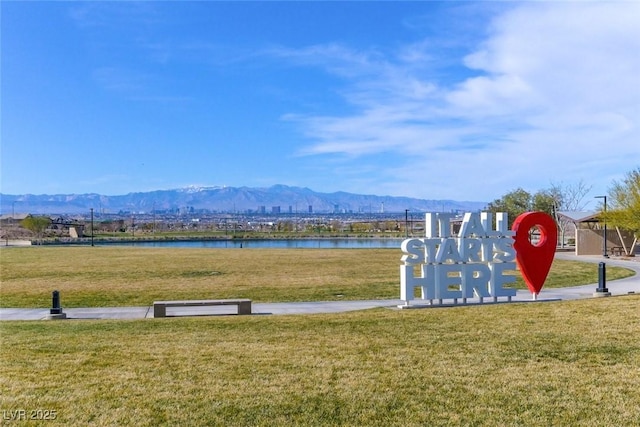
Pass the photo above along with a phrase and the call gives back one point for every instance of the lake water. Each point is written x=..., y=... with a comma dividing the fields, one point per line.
x=284, y=244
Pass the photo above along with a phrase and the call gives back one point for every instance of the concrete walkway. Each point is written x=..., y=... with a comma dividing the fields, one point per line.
x=616, y=287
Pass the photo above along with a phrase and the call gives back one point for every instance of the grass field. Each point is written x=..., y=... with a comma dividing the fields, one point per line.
x=105, y=276
x=531, y=364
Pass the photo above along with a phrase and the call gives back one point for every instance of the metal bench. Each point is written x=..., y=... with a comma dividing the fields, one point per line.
x=160, y=307
x=617, y=250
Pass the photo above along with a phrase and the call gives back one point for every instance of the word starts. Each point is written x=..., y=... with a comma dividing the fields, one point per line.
x=475, y=262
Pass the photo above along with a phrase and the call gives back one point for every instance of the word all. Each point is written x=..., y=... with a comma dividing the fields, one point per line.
x=473, y=263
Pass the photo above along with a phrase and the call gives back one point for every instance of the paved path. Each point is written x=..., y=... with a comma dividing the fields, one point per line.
x=616, y=287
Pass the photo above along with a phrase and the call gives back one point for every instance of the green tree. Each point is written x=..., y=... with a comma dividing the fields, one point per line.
x=544, y=201
x=36, y=224
x=513, y=203
x=286, y=226
x=624, y=207
x=558, y=197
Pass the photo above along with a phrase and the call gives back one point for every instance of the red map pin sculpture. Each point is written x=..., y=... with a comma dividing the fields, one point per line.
x=534, y=261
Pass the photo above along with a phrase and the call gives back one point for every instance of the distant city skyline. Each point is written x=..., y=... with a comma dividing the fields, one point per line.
x=431, y=100
x=274, y=200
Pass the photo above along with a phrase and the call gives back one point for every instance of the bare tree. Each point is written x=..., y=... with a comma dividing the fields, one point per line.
x=568, y=197
x=571, y=195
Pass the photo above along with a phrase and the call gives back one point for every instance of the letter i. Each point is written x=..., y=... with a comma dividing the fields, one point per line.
x=430, y=225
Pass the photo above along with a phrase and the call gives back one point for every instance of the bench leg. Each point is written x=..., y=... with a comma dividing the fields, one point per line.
x=159, y=310
x=244, y=307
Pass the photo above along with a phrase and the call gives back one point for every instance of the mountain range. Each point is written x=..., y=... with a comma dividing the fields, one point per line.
x=278, y=198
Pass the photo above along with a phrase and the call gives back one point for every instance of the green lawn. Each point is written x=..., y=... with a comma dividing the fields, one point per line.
x=105, y=276
x=528, y=364
x=562, y=363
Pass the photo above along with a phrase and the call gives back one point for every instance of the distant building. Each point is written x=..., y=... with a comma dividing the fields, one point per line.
x=310, y=208
x=275, y=209
x=13, y=218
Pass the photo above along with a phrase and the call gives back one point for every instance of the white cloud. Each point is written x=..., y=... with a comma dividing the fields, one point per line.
x=568, y=54
x=121, y=80
x=126, y=14
x=555, y=97
x=334, y=57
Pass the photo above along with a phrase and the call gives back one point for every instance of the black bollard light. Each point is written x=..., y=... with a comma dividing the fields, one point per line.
x=56, y=308
x=55, y=303
x=602, y=290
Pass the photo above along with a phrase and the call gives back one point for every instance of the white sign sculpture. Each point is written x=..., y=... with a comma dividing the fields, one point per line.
x=447, y=267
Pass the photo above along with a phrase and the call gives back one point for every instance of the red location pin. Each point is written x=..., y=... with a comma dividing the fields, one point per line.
x=534, y=261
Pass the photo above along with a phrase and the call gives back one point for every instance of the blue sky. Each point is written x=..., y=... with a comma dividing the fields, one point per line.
x=436, y=100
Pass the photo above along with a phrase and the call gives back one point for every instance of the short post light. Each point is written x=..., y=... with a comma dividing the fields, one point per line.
x=56, y=309
x=601, y=290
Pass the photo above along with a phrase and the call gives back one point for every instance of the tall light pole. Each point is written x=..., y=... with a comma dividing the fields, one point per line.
x=406, y=218
x=604, y=237
x=91, y=226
